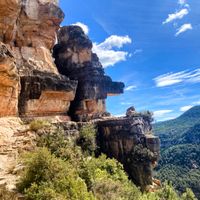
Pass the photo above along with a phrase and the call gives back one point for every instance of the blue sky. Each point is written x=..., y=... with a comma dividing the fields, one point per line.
x=152, y=46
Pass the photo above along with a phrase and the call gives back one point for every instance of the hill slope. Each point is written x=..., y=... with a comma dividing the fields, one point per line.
x=180, y=152
x=172, y=132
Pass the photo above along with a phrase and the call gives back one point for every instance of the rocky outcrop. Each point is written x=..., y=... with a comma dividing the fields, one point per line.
x=75, y=59
x=9, y=82
x=44, y=94
x=129, y=140
x=31, y=84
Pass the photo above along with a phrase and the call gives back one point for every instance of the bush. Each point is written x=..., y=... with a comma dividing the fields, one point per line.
x=107, y=179
x=140, y=154
x=48, y=177
x=38, y=124
x=87, y=139
x=61, y=145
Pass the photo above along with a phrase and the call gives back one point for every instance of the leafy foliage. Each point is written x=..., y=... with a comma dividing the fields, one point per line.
x=48, y=177
x=180, y=154
x=87, y=139
x=59, y=170
x=35, y=125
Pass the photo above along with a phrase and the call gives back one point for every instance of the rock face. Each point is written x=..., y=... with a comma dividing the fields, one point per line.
x=31, y=84
x=128, y=139
x=74, y=58
x=9, y=82
x=41, y=91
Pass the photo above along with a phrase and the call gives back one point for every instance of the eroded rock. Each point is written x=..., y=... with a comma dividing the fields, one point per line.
x=9, y=82
x=127, y=139
x=75, y=59
x=44, y=94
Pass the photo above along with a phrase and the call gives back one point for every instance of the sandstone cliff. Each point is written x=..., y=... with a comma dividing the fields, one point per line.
x=74, y=87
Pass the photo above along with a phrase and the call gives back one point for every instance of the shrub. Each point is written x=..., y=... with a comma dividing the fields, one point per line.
x=48, y=177
x=87, y=139
x=140, y=154
x=35, y=125
x=107, y=179
x=61, y=146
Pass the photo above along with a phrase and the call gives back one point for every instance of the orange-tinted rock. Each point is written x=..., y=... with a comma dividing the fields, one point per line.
x=45, y=94
x=9, y=12
x=9, y=82
x=29, y=28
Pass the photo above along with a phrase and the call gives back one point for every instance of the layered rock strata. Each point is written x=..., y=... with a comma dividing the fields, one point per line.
x=9, y=82
x=75, y=59
x=44, y=94
x=129, y=140
x=31, y=84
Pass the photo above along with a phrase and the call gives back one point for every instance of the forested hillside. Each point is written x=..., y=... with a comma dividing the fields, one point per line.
x=180, y=152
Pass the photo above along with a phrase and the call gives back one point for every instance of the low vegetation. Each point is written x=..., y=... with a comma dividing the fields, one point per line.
x=180, y=152
x=35, y=125
x=63, y=168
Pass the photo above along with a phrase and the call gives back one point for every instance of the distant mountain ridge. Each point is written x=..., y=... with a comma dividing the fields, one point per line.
x=180, y=150
x=172, y=131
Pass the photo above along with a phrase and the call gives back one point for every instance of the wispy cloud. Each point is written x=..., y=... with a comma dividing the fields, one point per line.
x=183, y=3
x=83, y=26
x=196, y=103
x=166, y=119
x=183, y=28
x=161, y=113
x=130, y=88
x=137, y=51
x=179, y=77
x=126, y=103
x=106, y=52
x=185, y=108
x=120, y=115
x=178, y=15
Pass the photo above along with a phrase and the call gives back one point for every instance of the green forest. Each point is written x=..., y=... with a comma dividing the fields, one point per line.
x=180, y=151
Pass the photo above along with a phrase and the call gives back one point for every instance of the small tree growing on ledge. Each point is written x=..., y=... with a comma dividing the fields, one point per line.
x=87, y=139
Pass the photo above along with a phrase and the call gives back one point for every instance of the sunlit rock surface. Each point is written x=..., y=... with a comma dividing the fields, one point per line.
x=75, y=59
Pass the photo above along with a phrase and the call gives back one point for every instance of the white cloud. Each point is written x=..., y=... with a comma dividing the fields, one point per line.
x=183, y=28
x=83, y=26
x=196, y=103
x=115, y=41
x=166, y=119
x=161, y=113
x=177, y=15
x=130, y=88
x=120, y=115
x=126, y=103
x=109, y=56
x=182, y=2
x=137, y=51
x=179, y=77
x=185, y=108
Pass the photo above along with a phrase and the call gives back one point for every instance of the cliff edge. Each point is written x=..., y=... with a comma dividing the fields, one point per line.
x=48, y=71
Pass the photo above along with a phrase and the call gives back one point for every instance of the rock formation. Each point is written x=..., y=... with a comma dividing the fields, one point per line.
x=32, y=84
x=75, y=86
x=9, y=82
x=75, y=59
x=129, y=140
